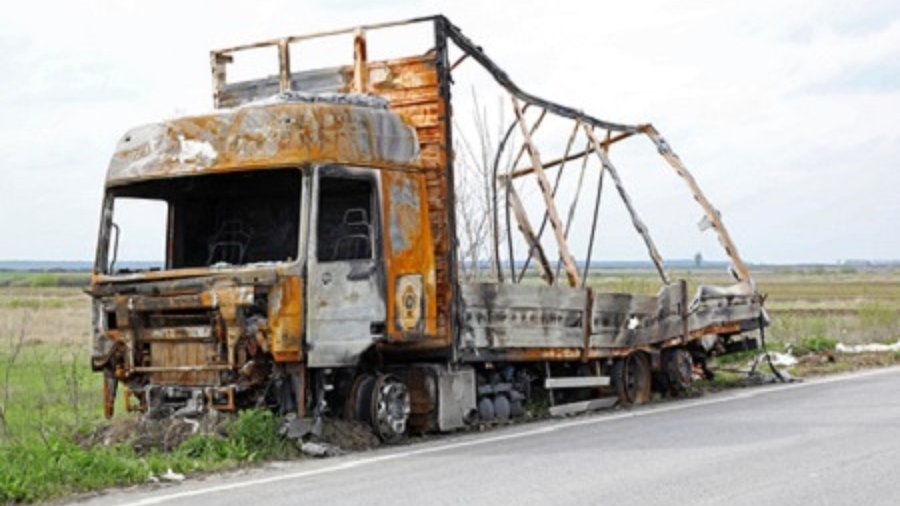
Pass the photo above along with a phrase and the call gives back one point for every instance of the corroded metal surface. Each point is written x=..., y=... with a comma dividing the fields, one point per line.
x=264, y=136
x=550, y=321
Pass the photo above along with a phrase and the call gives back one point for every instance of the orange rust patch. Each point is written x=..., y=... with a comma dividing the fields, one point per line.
x=286, y=319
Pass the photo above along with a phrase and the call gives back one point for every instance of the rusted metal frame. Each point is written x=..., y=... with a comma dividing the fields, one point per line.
x=503, y=79
x=590, y=249
x=183, y=368
x=229, y=394
x=587, y=319
x=494, y=207
x=459, y=61
x=328, y=33
x=542, y=265
x=635, y=219
x=712, y=214
x=442, y=68
x=544, y=183
x=495, y=215
x=571, y=215
x=360, y=62
x=284, y=65
x=218, y=63
x=575, y=156
x=555, y=188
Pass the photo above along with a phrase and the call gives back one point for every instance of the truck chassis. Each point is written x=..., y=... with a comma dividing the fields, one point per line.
x=350, y=302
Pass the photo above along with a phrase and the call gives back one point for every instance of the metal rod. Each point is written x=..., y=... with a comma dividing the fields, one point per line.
x=635, y=219
x=571, y=216
x=590, y=250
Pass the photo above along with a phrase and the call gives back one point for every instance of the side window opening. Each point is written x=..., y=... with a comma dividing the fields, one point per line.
x=346, y=219
x=138, y=238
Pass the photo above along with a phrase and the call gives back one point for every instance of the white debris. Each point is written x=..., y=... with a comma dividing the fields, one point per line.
x=172, y=476
x=314, y=449
x=633, y=323
x=868, y=348
x=200, y=152
x=782, y=359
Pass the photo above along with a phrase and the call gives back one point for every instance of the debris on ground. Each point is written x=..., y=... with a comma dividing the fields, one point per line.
x=781, y=359
x=170, y=475
x=314, y=449
x=144, y=433
x=347, y=435
x=868, y=348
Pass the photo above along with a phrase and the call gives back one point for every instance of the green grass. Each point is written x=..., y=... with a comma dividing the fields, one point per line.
x=817, y=344
x=38, y=468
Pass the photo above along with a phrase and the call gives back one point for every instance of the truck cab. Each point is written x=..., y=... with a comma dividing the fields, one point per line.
x=297, y=236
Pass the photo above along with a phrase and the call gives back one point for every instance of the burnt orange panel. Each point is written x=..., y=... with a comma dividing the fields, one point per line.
x=409, y=258
x=286, y=319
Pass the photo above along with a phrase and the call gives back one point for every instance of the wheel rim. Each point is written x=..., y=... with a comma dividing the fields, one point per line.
x=390, y=408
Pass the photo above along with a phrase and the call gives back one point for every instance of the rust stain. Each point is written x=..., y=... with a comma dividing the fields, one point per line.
x=265, y=136
x=408, y=252
x=286, y=319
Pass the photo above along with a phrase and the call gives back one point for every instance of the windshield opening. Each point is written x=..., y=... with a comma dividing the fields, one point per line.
x=211, y=220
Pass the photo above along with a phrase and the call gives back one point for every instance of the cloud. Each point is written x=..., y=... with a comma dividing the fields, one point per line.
x=784, y=111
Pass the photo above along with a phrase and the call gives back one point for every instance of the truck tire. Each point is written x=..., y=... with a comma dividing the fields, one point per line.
x=631, y=378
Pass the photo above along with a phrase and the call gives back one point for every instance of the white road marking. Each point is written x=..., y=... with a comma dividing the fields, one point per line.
x=650, y=410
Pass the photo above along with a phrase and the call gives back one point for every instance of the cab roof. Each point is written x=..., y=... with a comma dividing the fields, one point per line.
x=288, y=129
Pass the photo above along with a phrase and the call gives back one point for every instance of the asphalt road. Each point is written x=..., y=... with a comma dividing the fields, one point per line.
x=832, y=441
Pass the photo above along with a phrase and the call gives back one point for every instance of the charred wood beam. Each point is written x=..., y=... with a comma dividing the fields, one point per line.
x=712, y=215
x=360, y=62
x=635, y=219
x=534, y=245
x=531, y=132
x=556, y=182
x=549, y=202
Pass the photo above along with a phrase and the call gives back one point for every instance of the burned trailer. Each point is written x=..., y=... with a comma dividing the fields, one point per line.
x=312, y=260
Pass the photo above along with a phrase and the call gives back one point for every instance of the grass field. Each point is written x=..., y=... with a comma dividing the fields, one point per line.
x=49, y=398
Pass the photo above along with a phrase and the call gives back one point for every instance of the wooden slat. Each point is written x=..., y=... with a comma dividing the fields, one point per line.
x=549, y=202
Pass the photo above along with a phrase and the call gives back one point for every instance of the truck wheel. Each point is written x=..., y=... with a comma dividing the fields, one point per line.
x=390, y=408
x=631, y=378
x=679, y=369
x=502, y=408
x=486, y=409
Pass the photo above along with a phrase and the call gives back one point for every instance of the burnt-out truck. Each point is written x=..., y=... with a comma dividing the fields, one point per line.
x=312, y=257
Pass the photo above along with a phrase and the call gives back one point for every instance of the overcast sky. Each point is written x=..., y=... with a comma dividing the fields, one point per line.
x=785, y=110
